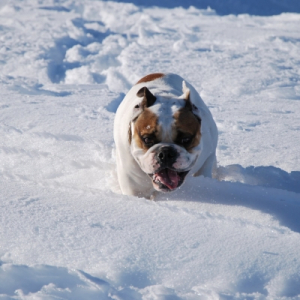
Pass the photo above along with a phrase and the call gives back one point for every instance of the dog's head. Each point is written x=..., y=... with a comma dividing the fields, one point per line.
x=164, y=137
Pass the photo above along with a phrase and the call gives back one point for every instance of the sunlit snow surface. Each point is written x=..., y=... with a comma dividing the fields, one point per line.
x=65, y=231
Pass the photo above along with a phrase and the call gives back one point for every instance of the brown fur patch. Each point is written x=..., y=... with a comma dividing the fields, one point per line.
x=129, y=134
x=146, y=125
x=188, y=125
x=151, y=77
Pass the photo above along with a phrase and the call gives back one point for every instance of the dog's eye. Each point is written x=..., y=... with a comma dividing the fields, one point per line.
x=148, y=141
x=186, y=140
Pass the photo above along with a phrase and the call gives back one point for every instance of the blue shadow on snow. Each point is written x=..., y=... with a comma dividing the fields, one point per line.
x=114, y=104
x=267, y=189
x=251, y=7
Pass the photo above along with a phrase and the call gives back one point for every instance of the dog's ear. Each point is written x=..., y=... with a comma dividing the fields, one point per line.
x=149, y=98
x=188, y=103
x=186, y=96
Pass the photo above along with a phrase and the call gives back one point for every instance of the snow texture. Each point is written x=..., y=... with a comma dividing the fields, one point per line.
x=67, y=233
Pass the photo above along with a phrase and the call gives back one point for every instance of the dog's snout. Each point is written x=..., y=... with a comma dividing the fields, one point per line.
x=167, y=155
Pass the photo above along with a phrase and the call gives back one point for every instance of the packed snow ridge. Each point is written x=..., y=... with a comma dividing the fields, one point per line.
x=67, y=233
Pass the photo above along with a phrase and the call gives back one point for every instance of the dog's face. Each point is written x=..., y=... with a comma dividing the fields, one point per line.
x=164, y=138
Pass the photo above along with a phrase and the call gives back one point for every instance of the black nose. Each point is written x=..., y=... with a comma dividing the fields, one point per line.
x=167, y=156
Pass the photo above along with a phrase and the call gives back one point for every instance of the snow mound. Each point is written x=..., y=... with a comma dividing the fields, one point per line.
x=49, y=282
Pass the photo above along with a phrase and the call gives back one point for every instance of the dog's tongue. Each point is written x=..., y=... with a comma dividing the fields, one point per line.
x=169, y=178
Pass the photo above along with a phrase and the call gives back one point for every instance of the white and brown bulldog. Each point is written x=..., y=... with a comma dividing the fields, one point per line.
x=163, y=133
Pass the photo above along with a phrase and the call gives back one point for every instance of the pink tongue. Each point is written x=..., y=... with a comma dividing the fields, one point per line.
x=169, y=178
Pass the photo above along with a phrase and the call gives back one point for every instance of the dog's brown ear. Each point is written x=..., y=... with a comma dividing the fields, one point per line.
x=149, y=98
x=186, y=96
x=188, y=103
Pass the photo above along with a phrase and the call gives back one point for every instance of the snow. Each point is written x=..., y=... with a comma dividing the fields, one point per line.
x=67, y=233
x=253, y=7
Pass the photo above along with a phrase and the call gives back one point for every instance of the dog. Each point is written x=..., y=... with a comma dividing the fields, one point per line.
x=163, y=134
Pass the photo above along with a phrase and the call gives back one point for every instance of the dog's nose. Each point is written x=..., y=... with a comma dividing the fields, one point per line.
x=167, y=156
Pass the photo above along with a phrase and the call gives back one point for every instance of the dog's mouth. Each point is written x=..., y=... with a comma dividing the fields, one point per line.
x=168, y=180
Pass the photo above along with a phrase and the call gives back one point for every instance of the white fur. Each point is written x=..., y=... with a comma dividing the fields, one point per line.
x=132, y=163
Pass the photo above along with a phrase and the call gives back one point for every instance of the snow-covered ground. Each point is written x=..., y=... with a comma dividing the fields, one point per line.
x=66, y=232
